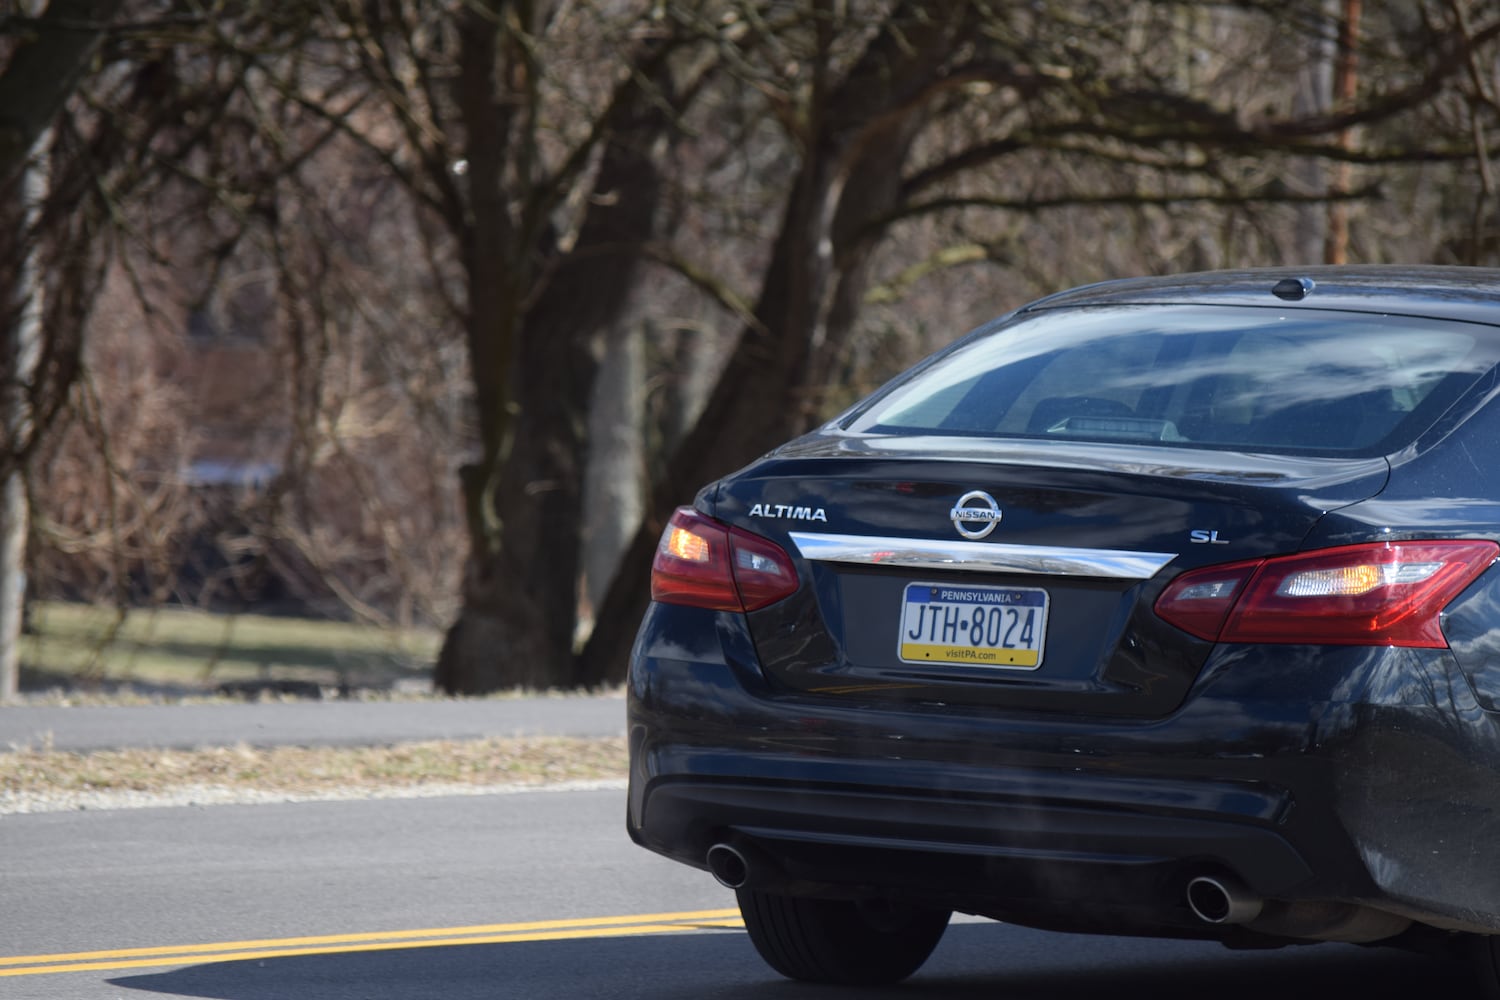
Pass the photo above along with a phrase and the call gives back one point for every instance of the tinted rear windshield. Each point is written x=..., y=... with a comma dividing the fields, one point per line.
x=1244, y=379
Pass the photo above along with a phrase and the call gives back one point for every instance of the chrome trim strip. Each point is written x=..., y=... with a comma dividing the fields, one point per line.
x=980, y=557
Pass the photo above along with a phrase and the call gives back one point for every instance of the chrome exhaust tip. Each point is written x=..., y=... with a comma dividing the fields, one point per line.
x=1222, y=900
x=730, y=867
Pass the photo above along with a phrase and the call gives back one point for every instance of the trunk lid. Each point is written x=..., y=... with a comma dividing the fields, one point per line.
x=1038, y=594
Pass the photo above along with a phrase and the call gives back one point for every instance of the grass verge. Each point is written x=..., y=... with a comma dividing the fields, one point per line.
x=80, y=645
x=78, y=654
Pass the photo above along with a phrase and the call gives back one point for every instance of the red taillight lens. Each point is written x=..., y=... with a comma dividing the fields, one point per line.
x=763, y=572
x=692, y=564
x=1381, y=594
x=1198, y=601
x=704, y=564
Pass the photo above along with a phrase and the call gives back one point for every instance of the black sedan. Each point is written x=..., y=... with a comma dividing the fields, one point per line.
x=1160, y=607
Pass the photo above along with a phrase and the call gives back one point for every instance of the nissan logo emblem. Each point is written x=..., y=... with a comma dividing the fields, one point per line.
x=975, y=515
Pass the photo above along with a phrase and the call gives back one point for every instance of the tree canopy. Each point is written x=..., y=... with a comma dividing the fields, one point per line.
x=379, y=249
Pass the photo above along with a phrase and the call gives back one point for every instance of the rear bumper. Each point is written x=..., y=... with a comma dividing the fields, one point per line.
x=1078, y=868
x=1354, y=775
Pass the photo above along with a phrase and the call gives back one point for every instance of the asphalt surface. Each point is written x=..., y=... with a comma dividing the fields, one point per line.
x=528, y=896
x=311, y=723
x=495, y=897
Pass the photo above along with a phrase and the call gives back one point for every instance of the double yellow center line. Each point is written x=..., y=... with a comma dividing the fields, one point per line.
x=329, y=944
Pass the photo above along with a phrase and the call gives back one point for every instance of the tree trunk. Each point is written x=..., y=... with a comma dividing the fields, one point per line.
x=614, y=481
x=771, y=387
x=520, y=606
x=486, y=644
x=690, y=371
x=1314, y=87
x=43, y=70
x=1345, y=86
x=20, y=341
x=15, y=521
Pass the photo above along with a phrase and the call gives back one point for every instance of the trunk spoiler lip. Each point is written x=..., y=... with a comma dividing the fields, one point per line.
x=979, y=557
x=1187, y=465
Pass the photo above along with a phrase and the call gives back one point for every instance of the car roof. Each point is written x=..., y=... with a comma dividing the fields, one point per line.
x=1462, y=293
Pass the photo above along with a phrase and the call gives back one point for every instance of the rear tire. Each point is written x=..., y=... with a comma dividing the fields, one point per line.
x=840, y=941
x=1484, y=955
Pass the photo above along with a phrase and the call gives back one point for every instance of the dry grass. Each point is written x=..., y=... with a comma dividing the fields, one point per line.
x=196, y=652
x=522, y=762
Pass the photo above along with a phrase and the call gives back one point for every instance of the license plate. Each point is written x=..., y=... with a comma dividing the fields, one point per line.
x=982, y=626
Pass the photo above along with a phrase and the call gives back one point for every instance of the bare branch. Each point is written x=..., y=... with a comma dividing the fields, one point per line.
x=1272, y=194
x=717, y=291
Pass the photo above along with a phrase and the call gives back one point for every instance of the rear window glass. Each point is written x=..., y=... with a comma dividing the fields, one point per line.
x=1195, y=376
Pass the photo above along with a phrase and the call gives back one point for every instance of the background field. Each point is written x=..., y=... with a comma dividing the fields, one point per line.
x=176, y=650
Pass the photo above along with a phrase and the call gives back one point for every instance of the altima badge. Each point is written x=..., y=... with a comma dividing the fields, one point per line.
x=789, y=510
x=975, y=507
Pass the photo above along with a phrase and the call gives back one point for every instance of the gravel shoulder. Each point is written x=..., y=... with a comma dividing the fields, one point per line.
x=33, y=780
x=56, y=757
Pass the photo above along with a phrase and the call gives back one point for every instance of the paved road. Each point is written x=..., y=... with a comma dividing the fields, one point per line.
x=520, y=895
x=312, y=723
x=510, y=897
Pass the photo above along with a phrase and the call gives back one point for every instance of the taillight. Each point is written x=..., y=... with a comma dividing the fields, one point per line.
x=1198, y=601
x=1380, y=594
x=704, y=564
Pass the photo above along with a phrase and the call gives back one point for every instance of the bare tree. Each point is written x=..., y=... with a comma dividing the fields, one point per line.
x=258, y=274
x=429, y=217
x=534, y=157
x=1036, y=104
x=46, y=49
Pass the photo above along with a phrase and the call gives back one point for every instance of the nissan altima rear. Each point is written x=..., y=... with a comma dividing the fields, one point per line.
x=1159, y=607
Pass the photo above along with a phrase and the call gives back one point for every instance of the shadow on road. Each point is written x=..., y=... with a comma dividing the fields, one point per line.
x=971, y=963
